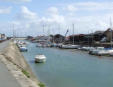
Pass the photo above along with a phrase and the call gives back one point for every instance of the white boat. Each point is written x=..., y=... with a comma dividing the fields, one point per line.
x=69, y=46
x=21, y=44
x=87, y=48
x=40, y=58
x=43, y=45
x=111, y=54
x=102, y=52
x=96, y=50
x=105, y=52
x=23, y=49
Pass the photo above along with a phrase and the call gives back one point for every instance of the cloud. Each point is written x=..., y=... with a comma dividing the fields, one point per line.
x=5, y=10
x=26, y=15
x=31, y=23
x=90, y=6
x=16, y=1
x=71, y=8
x=53, y=16
x=53, y=10
x=27, y=22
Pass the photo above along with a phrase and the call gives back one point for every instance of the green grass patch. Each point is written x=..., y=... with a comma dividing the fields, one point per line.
x=41, y=84
x=26, y=73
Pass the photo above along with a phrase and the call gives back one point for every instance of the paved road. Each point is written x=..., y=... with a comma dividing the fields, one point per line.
x=3, y=45
x=6, y=78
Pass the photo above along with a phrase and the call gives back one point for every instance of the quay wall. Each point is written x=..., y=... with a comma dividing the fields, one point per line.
x=12, y=54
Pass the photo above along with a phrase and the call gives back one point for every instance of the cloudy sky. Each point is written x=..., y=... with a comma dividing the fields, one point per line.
x=29, y=17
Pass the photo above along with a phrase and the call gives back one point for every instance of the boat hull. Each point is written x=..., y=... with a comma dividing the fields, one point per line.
x=69, y=46
x=40, y=61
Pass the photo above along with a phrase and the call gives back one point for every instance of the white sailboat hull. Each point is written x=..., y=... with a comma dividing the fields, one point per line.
x=70, y=46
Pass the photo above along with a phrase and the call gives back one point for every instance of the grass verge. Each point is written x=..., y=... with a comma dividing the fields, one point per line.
x=41, y=84
x=26, y=73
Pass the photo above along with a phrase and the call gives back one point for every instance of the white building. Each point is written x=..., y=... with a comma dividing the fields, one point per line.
x=3, y=37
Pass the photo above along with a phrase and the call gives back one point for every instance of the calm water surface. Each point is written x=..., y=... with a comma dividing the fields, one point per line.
x=68, y=68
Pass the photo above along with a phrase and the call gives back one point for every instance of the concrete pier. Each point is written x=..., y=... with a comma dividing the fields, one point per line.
x=6, y=78
x=13, y=68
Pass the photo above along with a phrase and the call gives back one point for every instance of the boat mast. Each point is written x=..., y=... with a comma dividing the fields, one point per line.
x=53, y=34
x=13, y=33
x=92, y=38
x=43, y=29
x=73, y=33
x=59, y=29
x=48, y=32
x=88, y=38
x=111, y=30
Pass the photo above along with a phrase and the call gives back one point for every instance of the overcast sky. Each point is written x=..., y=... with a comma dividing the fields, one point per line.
x=29, y=16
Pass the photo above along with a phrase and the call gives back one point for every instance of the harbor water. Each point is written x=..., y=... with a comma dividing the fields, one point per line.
x=70, y=68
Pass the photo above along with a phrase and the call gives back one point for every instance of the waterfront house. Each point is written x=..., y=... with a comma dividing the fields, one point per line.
x=86, y=38
x=3, y=37
x=109, y=34
x=41, y=39
x=29, y=37
x=57, y=38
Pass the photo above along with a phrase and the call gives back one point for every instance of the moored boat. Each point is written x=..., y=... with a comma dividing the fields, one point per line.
x=87, y=48
x=40, y=58
x=69, y=46
x=96, y=50
x=105, y=52
x=23, y=49
x=22, y=46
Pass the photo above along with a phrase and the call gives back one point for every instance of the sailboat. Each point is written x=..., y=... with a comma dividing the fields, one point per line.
x=70, y=46
x=40, y=58
x=108, y=51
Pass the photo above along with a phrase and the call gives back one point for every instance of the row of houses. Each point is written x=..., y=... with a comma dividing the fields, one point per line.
x=39, y=38
x=86, y=38
x=98, y=36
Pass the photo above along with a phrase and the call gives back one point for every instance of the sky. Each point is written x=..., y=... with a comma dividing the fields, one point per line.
x=37, y=17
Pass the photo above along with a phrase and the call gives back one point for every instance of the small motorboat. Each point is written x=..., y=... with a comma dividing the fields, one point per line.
x=40, y=58
x=110, y=52
x=95, y=51
x=105, y=52
x=102, y=52
x=23, y=49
